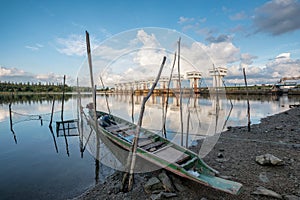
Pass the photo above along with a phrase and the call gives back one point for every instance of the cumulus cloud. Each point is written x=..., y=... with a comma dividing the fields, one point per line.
x=139, y=57
x=247, y=58
x=277, y=17
x=281, y=66
x=18, y=75
x=220, y=38
x=194, y=24
x=74, y=45
x=223, y=53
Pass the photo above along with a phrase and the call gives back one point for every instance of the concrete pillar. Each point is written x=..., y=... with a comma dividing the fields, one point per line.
x=218, y=74
x=194, y=77
x=175, y=79
x=163, y=82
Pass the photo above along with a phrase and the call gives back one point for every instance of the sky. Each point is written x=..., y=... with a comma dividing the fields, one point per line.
x=40, y=41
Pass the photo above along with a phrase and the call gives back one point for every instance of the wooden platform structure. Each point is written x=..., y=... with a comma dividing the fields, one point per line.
x=64, y=128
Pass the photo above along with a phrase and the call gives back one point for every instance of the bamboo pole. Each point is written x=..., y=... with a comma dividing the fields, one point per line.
x=180, y=93
x=248, y=104
x=167, y=100
x=132, y=154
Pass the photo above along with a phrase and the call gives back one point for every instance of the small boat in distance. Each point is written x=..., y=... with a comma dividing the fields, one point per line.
x=161, y=152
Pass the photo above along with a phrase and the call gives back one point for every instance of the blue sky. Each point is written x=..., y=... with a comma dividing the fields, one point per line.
x=43, y=40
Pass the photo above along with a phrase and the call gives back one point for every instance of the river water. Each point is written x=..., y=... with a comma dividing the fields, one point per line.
x=37, y=163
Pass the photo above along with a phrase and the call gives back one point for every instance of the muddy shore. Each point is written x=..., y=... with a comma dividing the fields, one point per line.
x=234, y=156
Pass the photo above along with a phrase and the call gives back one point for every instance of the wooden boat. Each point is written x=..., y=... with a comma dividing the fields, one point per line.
x=162, y=152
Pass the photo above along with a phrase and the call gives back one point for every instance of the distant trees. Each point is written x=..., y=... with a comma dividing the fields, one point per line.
x=8, y=86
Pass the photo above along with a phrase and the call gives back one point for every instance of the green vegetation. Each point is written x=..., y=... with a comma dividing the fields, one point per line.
x=33, y=87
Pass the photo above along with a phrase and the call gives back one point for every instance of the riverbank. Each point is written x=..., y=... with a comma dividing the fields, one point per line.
x=234, y=156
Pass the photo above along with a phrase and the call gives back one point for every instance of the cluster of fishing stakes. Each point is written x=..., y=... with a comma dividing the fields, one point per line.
x=151, y=146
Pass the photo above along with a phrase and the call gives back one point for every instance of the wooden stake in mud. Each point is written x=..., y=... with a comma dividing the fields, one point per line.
x=248, y=107
x=132, y=105
x=180, y=93
x=63, y=99
x=167, y=100
x=52, y=110
x=88, y=49
x=11, y=124
x=132, y=153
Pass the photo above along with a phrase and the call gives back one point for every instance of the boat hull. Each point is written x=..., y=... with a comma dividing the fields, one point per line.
x=168, y=157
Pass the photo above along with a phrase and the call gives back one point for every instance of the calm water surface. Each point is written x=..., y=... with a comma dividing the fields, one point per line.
x=38, y=164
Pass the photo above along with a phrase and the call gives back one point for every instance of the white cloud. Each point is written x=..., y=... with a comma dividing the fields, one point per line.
x=247, y=58
x=281, y=66
x=277, y=17
x=283, y=56
x=35, y=47
x=223, y=53
x=18, y=75
x=139, y=57
x=74, y=45
x=183, y=20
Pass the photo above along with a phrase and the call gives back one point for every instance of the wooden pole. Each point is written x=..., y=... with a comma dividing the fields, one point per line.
x=54, y=140
x=106, y=100
x=11, y=124
x=167, y=100
x=63, y=99
x=132, y=154
x=10, y=117
x=91, y=76
x=187, y=129
x=52, y=110
x=248, y=104
x=132, y=105
x=180, y=93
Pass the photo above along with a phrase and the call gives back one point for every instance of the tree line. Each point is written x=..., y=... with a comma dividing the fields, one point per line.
x=8, y=86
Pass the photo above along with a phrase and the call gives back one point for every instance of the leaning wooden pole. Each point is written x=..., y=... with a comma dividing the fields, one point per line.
x=248, y=104
x=10, y=117
x=167, y=100
x=88, y=49
x=52, y=110
x=11, y=124
x=132, y=153
x=180, y=93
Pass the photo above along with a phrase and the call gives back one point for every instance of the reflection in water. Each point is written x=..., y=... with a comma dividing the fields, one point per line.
x=204, y=117
x=54, y=171
x=203, y=112
x=54, y=140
